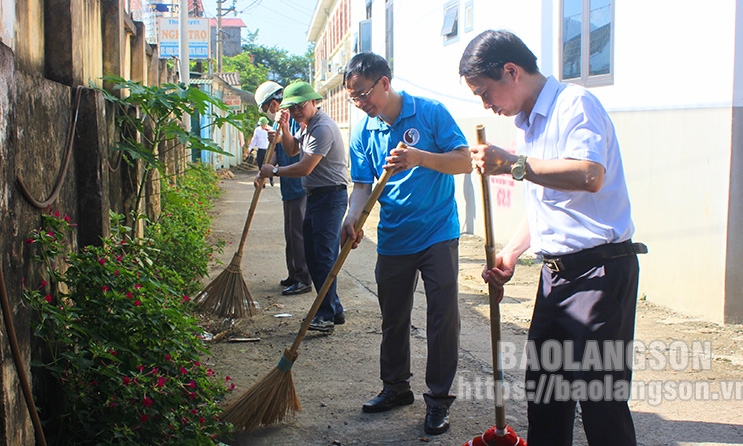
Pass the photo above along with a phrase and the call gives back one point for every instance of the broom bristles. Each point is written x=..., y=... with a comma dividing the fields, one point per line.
x=268, y=401
x=228, y=294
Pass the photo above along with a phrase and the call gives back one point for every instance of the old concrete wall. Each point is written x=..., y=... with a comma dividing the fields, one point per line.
x=7, y=157
x=72, y=42
x=29, y=27
x=79, y=42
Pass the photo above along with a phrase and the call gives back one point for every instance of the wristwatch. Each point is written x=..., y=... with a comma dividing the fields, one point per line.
x=276, y=171
x=518, y=169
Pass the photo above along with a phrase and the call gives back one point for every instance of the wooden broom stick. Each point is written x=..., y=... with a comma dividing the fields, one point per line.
x=494, y=295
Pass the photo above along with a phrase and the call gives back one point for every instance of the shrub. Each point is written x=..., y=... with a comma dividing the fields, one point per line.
x=181, y=234
x=124, y=349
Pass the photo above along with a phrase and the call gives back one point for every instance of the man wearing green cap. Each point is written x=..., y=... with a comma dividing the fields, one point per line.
x=324, y=174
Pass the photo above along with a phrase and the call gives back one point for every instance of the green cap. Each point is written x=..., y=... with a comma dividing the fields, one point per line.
x=298, y=92
x=262, y=120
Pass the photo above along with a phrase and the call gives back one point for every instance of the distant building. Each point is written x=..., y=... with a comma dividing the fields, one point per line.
x=231, y=35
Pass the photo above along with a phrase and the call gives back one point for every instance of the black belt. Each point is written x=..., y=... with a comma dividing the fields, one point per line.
x=593, y=256
x=324, y=190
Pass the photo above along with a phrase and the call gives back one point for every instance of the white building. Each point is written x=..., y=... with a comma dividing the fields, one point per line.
x=668, y=72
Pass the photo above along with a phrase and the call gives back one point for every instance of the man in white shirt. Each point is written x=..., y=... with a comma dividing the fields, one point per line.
x=578, y=218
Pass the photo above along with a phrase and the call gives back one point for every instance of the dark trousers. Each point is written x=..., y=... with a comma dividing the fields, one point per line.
x=296, y=263
x=397, y=278
x=323, y=219
x=591, y=307
x=260, y=157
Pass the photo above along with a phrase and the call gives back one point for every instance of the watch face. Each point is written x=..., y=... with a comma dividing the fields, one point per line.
x=518, y=170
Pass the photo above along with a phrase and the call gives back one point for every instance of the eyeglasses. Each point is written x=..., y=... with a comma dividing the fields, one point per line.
x=294, y=107
x=364, y=96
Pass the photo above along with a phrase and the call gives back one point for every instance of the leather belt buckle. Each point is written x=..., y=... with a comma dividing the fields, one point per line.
x=554, y=265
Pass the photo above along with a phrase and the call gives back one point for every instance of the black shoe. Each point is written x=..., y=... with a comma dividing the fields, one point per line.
x=437, y=420
x=287, y=282
x=297, y=288
x=387, y=400
x=340, y=319
x=320, y=324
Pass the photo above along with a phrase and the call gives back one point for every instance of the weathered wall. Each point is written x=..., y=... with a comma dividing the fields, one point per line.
x=29, y=27
x=7, y=157
x=58, y=46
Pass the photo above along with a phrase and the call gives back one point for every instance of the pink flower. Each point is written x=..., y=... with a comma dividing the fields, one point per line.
x=137, y=286
x=104, y=288
x=50, y=234
x=143, y=418
x=160, y=382
x=186, y=298
x=119, y=258
x=67, y=218
x=29, y=241
x=140, y=368
x=137, y=303
x=202, y=420
x=42, y=284
x=102, y=261
x=197, y=363
x=210, y=372
x=191, y=395
x=129, y=294
x=116, y=273
x=94, y=382
x=147, y=402
x=184, y=371
x=192, y=384
x=114, y=352
x=127, y=380
x=168, y=357
x=48, y=298
x=227, y=378
x=56, y=213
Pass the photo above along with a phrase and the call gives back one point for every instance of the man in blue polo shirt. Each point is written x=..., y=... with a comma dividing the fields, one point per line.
x=418, y=229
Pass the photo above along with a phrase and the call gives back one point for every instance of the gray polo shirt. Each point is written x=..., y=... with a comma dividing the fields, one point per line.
x=323, y=137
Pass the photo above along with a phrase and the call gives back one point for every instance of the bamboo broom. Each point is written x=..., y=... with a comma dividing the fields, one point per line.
x=501, y=434
x=270, y=399
x=228, y=295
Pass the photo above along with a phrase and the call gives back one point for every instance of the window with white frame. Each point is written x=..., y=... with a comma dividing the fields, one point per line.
x=450, y=30
x=587, y=42
x=365, y=30
x=469, y=16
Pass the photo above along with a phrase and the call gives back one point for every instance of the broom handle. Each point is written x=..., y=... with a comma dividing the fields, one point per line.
x=345, y=250
x=257, y=194
x=495, y=331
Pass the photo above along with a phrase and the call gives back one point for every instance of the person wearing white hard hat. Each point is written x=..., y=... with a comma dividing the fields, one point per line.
x=268, y=95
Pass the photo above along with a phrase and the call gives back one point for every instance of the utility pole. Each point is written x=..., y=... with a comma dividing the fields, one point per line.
x=219, y=35
x=185, y=68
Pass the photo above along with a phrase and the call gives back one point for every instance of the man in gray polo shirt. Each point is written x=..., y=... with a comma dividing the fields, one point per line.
x=324, y=174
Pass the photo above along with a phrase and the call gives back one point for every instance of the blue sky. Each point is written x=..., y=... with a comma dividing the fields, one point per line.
x=281, y=23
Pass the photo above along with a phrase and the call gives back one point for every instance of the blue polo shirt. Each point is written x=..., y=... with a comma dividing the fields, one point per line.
x=417, y=206
x=291, y=188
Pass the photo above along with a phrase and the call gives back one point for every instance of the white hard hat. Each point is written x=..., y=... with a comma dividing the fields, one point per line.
x=266, y=91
